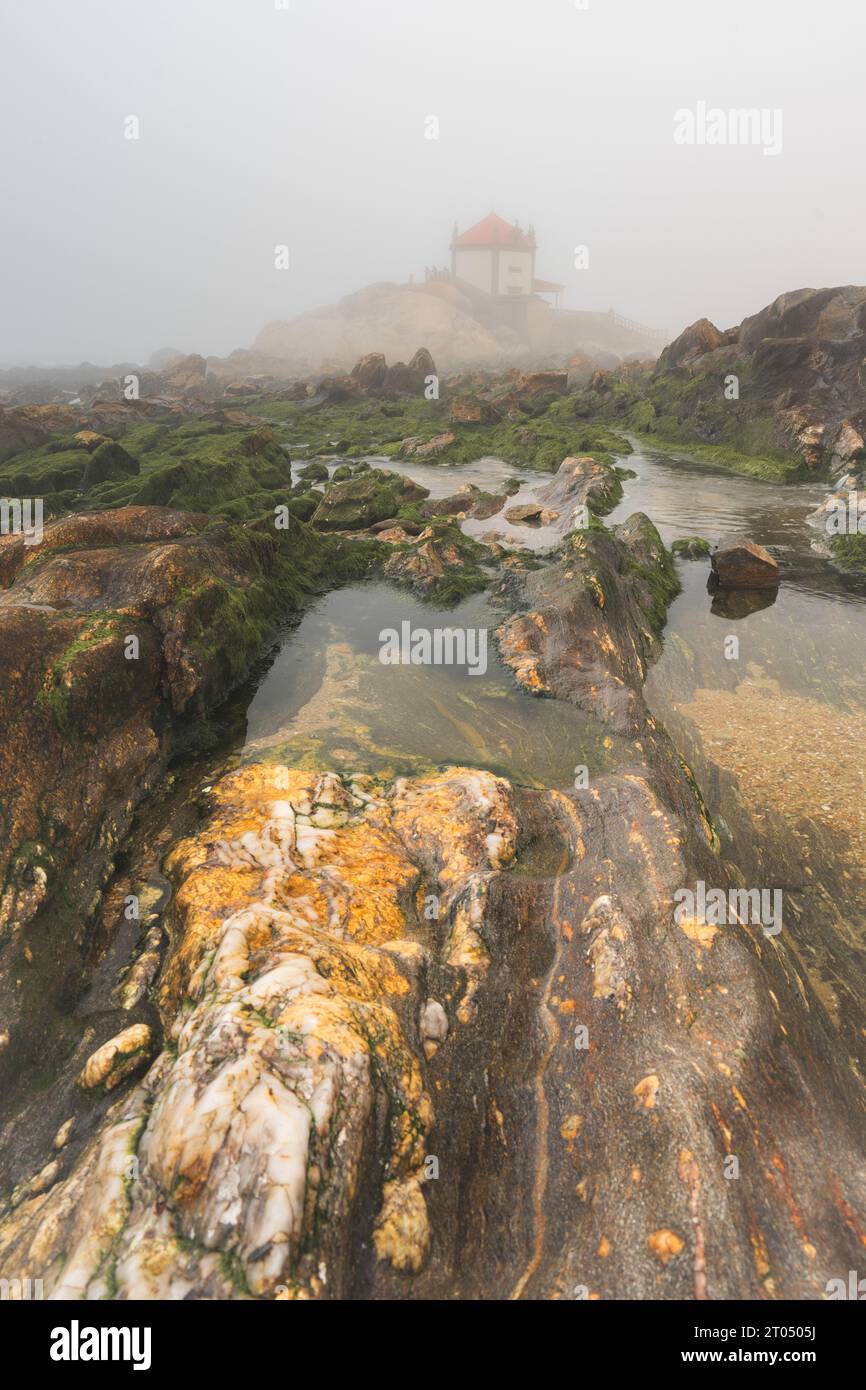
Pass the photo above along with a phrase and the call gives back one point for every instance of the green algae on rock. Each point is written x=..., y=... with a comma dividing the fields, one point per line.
x=115, y=626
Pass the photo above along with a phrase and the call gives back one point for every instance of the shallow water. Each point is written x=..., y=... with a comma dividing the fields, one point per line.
x=785, y=710
x=328, y=700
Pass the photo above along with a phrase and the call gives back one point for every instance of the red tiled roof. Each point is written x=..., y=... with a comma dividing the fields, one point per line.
x=494, y=231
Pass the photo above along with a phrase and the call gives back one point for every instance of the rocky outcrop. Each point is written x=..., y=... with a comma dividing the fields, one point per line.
x=293, y=1086
x=473, y=410
x=358, y=502
x=783, y=387
x=432, y=563
x=468, y=501
x=532, y=385
x=693, y=343
x=370, y=371
x=582, y=482
x=558, y=641
x=392, y=319
x=186, y=377
x=28, y=426
x=112, y=627
x=408, y=379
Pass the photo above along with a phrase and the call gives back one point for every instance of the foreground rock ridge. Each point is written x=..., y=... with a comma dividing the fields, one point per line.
x=441, y=1037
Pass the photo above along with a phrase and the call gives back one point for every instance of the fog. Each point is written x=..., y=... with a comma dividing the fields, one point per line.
x=306, y=126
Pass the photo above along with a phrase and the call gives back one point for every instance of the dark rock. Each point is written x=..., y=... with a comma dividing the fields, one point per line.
x=696, y=340
x=370, y=371
x=742, y=564
x=109, y=462
x=336, y=390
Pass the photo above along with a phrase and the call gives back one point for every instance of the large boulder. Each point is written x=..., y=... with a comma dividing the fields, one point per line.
x=472, y=410
x=409, y=378
x=421, y=364
x=582, y=481
x=743, y=564
x=415, y=447
x=186, y=377
x=804, y=360
x=358, y=502
x=696, y=340
x=337, y=390
x=542, y=384
x=370, y=371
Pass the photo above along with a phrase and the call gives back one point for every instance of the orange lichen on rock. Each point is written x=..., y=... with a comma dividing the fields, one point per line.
x=646, y=1091
x=665, y=1244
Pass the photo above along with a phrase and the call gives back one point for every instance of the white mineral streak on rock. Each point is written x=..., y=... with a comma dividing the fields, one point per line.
x=433, y=1027
x=61, y=1138
x=117, y=1058
x=434, y=1021
x=205, y=1181
x=465, y=946
x=91, y=1212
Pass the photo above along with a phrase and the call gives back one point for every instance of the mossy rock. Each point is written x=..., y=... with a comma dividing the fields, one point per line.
x=304, y=506
x=849, y=553
x=691, y=547
x=651, y=567
x=314, y=471
x=361, y=501
x=109, y=463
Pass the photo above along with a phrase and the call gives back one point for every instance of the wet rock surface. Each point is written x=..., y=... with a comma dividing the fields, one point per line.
x=741, y=564
x=390, y=1006
x=114, y=625
x=589, y=621
x=300, y=1137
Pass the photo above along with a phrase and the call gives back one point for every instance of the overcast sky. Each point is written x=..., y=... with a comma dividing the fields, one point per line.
x=305, y=126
